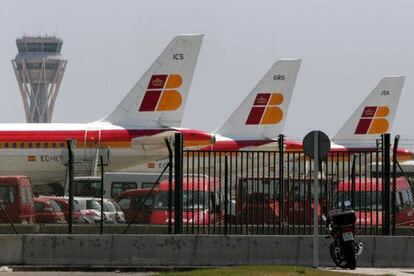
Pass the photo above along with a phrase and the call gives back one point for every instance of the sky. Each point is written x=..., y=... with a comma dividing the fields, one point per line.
x=346, y=47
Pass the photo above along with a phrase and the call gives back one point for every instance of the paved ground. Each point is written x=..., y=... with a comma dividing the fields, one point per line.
x=73, y=273
x=377, y=271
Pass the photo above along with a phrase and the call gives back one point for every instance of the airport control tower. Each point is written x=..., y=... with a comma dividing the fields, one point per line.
x=39, y=68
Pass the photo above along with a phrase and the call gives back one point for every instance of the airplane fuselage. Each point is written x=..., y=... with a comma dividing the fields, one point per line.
x=40, y=150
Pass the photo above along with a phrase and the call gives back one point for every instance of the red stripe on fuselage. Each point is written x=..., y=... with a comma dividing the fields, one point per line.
x=62, y=135
x=235, y=144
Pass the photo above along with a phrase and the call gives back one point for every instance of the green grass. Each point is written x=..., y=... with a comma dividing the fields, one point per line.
x=259, y=270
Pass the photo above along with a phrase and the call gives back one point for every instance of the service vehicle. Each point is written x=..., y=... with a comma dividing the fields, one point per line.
x=367, y=196
x=203, y=201
x=114, y=183
x=258, y=201
x=16, y=200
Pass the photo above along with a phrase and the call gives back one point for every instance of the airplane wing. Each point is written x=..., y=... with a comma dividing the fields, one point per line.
x=155, y=140
x=193, y=139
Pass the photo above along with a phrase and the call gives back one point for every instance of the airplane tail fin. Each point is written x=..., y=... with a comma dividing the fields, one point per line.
x=375, y=115
x=263, y=112
x=159, y=97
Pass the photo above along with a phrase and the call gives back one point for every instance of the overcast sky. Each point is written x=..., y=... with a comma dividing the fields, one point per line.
x=346, y=47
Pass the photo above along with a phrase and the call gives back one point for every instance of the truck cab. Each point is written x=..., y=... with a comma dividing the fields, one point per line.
x=203, y=201
x=16, y=200
x=367, y=196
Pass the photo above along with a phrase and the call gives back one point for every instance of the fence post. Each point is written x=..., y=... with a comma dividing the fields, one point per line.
x=386, y=230
x=71, y=167
x=281, y=142
x=353, y=182
x=394, y=182
x=226, y=191
x=178, y=182
x=102, y=193
x=170, y=194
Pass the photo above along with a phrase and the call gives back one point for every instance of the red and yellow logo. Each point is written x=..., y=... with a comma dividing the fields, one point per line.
x=373, y=120
x=266, y=110
x=161, y=94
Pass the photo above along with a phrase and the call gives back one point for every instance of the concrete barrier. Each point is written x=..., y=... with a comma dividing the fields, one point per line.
x=191, y=250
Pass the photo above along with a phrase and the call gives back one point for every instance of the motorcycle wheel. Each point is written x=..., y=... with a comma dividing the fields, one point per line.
x=337, y=254
x=349, y=251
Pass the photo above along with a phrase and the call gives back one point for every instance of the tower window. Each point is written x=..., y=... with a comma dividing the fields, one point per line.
x=34, y=47
x=50, y=47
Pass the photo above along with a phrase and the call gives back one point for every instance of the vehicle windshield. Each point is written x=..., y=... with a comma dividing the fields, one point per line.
x=192, y=200
x=55, y=206
x=364, y=200
x=87, y=187
x=76, y=205
x=300, y=190
x=109, y=207
x=93, y=204
x=261, y=188
x=7, y=194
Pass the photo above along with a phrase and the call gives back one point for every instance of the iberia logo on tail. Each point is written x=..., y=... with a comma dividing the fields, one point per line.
x=161, y=94
x=266, y=110
x=373, y=120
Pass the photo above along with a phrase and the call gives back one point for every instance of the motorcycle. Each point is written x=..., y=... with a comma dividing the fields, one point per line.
x=345, y=248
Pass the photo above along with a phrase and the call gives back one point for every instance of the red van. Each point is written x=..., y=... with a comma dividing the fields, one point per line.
x=257, y=201
x=136, y=204
x=16, y=199
x=368, y=200
x=203, y=201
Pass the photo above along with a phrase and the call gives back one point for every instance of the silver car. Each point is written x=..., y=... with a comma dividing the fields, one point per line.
x=89, y=208
x=119, y=215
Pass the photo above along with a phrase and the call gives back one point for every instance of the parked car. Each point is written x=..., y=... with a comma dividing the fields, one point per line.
x=16, y=200
x=203, y=201
x=367, y=200
x=89, y=208
x=63, y=203
x=119, y=215
x=110, y=212
x=136, y=204
x=47, y=211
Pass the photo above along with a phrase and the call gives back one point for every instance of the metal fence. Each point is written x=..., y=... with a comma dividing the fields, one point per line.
x=271, y=192
x=206, y=192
